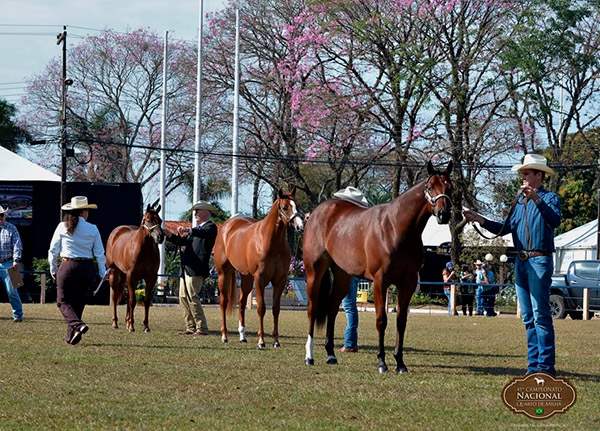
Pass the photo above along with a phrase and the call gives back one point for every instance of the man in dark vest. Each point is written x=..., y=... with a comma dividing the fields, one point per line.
x=198, y=241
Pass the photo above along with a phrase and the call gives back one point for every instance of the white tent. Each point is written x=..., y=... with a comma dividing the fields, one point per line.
x=435, y=234
x=580, y=243
x=16, y=168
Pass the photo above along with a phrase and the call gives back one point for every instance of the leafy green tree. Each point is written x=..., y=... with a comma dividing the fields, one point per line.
x=11, y=135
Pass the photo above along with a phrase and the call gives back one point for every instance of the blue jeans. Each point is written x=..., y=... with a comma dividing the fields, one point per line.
x=349, y=305
x=532, y=280
x=479, y=300
x=447, y=293
x=13, y=294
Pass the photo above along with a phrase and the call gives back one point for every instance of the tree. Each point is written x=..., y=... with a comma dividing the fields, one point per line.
x=115, y=106
x=11, y=135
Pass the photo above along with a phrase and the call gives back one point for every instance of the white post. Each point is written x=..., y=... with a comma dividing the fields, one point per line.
x=163, y=163
x=198, y=131
x=236, y=99
x=586, y=304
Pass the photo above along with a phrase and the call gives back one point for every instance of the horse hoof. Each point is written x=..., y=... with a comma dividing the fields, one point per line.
x=115, y=327
x=262, y=346
x=309, y=361
x=332, y=360
x=382, y=369
x=276, y=344
x=401, y=370
x=146, y=329
x=224, y=340
x=243, y=341
x=131, y=330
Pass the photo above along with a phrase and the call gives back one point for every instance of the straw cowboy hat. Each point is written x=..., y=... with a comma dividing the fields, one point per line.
x=78, y=203
x=3, y=210
x=534, y=161
x=352, y=193
x=204, y=205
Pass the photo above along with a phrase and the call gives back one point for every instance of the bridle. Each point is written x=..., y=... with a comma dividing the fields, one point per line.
x=151, y=228
x=433, y=199
x=284, y=216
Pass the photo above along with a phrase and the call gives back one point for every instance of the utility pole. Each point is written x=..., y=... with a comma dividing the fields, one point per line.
x=62, y=38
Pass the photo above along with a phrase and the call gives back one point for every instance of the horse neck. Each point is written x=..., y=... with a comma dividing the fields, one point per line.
x=143, y=235
x=272, y=227
x=413, y=207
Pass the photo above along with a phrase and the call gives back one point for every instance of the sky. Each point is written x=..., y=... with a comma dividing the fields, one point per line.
x=28, y=40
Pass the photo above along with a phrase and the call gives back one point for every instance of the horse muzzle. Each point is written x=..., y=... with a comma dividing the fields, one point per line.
x=159, y=238
x=443, y=216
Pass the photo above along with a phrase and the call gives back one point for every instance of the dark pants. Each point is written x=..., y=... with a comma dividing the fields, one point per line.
x=72, y=283
x=467, y=301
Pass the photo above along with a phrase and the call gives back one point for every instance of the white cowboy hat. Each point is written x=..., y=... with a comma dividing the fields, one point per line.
x=3, y=210
x=78, y=203
x=478, y=262
x=351, y=193
x=204, y=205
x=534, y=161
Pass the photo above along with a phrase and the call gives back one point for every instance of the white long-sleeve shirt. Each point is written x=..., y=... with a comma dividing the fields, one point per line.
x=85, y=242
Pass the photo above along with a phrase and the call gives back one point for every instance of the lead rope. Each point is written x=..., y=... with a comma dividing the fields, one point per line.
x=512, y=208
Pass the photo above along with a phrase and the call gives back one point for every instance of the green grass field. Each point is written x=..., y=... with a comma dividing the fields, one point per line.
x=115, y=380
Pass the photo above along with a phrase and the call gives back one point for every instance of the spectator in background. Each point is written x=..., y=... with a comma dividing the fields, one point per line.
x=467, y=293
x=479, y=289
x=449, y=277
x=10, y=256
x=489, y=290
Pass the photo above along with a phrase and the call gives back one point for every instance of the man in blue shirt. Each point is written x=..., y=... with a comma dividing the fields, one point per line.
x=532, y=225
x=10, y=255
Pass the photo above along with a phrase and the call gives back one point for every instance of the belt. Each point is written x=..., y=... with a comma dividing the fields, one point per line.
x=535, y=253
x=66, y=259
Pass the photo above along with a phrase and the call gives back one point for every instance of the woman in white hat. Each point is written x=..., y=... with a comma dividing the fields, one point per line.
x=532, y=225
x=77, y=242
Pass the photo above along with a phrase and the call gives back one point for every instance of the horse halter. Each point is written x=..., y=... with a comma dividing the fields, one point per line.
x=433, y=199
x=285, y=217
x=151, y=228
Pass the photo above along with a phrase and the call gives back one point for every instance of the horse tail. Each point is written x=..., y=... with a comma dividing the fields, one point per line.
x=230, y=291
x=324, y=299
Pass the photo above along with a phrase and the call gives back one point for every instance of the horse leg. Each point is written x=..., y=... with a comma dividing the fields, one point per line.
x=259, y=287
x=116, y=287
x=379, y=294
x=401, y=316
x=226, y=276
x=277, y=291
x=150, y=282
x=245, y=289
x=313, y=282
x=131, y=286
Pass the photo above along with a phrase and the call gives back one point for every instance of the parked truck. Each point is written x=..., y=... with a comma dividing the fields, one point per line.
x=566, y=292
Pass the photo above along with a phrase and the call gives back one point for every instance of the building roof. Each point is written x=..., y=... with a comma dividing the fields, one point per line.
x=16, y=168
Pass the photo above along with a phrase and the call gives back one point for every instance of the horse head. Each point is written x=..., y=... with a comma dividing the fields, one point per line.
x=153, y=224
x=288, y=209
x=438, y=189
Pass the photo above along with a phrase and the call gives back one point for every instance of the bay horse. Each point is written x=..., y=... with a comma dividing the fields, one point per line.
x=259, y=251
x=381, y=243
x=132, y=255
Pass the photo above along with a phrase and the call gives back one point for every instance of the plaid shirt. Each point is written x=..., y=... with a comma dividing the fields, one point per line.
x=10, y=242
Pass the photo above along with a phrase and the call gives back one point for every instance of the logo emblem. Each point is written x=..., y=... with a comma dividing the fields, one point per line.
x=539, y=395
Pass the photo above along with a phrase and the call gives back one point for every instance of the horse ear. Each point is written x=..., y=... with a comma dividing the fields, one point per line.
x=293, y=191
x=148, y=208
x=158, y=209
x=449, y=168
x=430, y=168
x=280, y=194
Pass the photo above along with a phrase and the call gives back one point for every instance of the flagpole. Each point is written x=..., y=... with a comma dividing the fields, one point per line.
x=198, y=132
x=163, y=138
x=236, y=98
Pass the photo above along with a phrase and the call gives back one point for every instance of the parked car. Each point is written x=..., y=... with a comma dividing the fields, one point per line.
x=566, y=292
